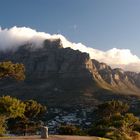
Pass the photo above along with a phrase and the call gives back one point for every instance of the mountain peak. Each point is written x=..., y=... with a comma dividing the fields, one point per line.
x=53, y=43
x=66, y=76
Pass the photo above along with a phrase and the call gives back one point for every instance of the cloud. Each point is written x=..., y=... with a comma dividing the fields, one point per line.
x=17, y=36
x=13, y=37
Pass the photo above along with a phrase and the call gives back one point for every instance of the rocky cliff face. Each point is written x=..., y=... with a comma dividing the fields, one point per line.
x=117, y=79
x=62, y=76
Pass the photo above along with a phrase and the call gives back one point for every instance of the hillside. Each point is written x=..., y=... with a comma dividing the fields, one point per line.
x=64, y=77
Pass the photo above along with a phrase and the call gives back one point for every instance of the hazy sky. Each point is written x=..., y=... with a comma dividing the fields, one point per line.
x=101, y=24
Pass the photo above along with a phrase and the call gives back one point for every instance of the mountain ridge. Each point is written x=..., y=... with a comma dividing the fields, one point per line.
x=62, y=76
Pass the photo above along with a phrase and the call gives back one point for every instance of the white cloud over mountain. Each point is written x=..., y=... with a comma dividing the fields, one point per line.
x=16, y=36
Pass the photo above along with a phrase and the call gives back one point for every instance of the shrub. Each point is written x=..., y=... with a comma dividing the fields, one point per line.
x=69, y=130
x=2, y=125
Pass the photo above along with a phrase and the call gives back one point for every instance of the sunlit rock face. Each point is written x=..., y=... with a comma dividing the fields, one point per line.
x=63, y=76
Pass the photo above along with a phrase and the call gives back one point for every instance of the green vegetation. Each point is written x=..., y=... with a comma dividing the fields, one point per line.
x=2, y=125
x=15, y=115
x=31, y=119
x=11, y=107
x=112, y=121
x=9, y=69
x=33, y=110
x=111, y=108
x=70, y=130
x=115, y=123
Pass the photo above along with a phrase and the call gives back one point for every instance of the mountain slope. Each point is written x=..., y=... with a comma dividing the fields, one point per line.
x=64, y=77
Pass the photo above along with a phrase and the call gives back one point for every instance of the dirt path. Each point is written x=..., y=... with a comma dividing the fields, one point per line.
x=51, y=137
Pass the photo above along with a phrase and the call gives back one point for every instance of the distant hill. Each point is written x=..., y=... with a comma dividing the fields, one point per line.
x=64, y=77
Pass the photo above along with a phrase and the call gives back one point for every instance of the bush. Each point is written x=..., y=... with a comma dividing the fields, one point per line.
x=116, y=135
x=69, y=130
x=2, y=125
x=98, y=131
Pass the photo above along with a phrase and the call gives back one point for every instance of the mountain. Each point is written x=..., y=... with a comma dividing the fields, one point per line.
x=64, y=77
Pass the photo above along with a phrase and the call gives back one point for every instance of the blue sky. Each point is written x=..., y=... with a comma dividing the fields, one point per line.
x=101, y=24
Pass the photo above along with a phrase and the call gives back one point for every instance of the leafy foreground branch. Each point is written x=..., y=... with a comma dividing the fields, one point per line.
x=20, y=117
x=113, y=121
x=9, y=69
x=15, y=115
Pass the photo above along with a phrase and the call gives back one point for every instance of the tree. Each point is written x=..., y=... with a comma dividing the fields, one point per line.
x=9, y=69
x=30, y=121
x=69, y=130
x=123, y=126
x=114, y=122
x=33, y=109
x=2, y=125
x=111, y=108
x=11, y=107
x=23, y=126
